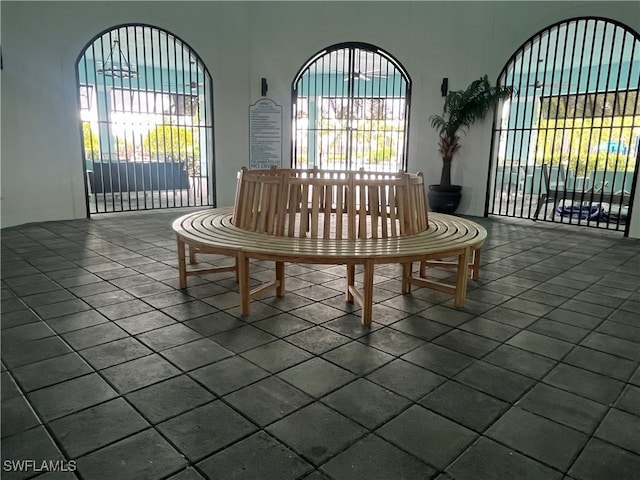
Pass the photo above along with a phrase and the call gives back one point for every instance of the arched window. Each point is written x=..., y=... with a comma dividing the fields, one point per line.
x=146, y=114
x=351, y=110
x=565, y=148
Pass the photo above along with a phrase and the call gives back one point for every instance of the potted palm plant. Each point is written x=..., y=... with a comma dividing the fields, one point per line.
x=461, y=109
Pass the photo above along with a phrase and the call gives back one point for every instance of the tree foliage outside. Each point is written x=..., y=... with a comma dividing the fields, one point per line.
x=575, y=142
x=91, y=142
x=372, y=141
x=381, y=138
x=175, y=143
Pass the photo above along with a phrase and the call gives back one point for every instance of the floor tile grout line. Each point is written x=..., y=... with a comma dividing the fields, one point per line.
x=390, y=325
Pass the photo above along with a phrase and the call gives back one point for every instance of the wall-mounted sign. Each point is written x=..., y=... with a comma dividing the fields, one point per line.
x=265, y=134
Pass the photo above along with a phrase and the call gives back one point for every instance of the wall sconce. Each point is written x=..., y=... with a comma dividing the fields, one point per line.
x=264, y=87
x=444, y=86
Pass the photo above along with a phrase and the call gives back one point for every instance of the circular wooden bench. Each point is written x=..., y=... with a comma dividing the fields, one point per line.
x=317, y=227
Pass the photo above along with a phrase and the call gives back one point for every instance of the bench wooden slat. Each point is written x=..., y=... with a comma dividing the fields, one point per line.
x=339, y=209
x=328, y=207
x=274, y=207
x=351, y=209
x=402, y=213
x=374, y=210
x=383, y=211
x=294, y=205
x=304, y=210
x=315, y=209
x=392, y=210
x=362, y=214
x=262, y=213
x=412, y=205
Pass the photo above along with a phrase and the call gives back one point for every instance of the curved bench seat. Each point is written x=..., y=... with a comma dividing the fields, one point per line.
x=215, y=228
x=213, y=231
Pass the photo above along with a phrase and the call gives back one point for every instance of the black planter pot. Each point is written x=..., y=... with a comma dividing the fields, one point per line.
x=444, y=199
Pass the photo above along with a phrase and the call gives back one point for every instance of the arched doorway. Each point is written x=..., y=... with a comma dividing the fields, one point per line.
x=146, y=120
x=566, y=149
x=351, y=110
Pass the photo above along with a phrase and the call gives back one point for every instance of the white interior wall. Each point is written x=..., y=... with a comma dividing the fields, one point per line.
x=241, y=42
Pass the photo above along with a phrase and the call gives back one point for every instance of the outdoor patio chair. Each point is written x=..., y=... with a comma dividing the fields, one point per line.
x=599, y=202
x=510, y=180
x=555, y=187
x=614, y=180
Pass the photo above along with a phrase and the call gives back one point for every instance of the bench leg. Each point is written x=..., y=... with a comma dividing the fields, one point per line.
x=192, y=255
x=406, y=277
x=423, y=269
x=367, y=293
x=280, y=279
x=476, y=264
x=182, y=264
x=243, y=274
x=351, y=278
x=541, y=201
x=462, y=278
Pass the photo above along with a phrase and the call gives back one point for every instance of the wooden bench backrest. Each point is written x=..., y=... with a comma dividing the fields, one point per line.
x=330, y=204
x=257, y=196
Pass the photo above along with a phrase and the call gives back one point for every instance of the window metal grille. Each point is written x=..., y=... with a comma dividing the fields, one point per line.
x=350, y=110
x=146, y=115
x=566, y=149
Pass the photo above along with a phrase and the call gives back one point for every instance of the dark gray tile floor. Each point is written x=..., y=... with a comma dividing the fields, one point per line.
x=111, y=371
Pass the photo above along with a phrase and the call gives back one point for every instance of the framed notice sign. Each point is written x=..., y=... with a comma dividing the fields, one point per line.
x=265, y=134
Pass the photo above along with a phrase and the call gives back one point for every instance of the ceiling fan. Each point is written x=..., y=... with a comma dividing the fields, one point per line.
x=541, y=84
x=365, y=76
x=192, y=85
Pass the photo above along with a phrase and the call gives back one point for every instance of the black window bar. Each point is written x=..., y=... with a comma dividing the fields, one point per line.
x=566, y=148
x=146, y=110
x=350, y=110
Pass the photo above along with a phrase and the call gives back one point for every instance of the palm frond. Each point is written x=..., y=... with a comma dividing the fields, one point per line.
x=462, y=108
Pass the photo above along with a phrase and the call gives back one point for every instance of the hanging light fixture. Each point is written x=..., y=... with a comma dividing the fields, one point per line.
x=122, y=69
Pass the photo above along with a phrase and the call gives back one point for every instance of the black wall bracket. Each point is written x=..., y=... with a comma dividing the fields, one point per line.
x=444, y=86
x=264, y=87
